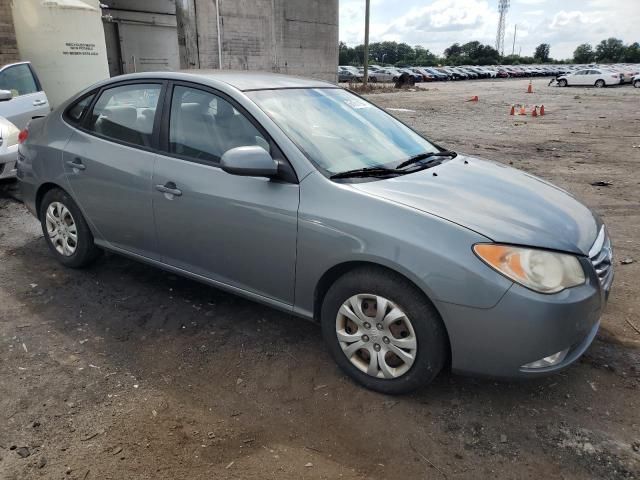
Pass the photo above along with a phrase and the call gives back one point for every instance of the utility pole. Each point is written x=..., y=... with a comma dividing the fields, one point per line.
x=503, y=7
x=515, y=30
x=365, y=77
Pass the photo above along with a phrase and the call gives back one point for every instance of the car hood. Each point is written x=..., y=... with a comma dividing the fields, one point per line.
x=502, y=203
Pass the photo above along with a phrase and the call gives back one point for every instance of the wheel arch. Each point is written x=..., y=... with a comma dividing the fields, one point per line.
x=42, y=191
x=337, y=271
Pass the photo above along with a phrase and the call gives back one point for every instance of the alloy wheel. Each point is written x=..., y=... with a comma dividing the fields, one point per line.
x=376, y=336
x=62, y=229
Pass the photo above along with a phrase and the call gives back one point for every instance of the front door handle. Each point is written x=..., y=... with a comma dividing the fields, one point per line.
x=76, y=163
x=170, y=188
x=39, y=103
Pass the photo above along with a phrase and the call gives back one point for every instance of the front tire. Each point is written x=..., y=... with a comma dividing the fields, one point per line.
x=636, y=84
x=563, y=82
x=383, y=332
x=66, y=231
x=600, y=84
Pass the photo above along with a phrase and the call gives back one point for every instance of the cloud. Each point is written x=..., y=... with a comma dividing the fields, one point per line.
x=437, y=24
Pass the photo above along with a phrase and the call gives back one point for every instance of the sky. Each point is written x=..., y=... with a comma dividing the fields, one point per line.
x=436, y=24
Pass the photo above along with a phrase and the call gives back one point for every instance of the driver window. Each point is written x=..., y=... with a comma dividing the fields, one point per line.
x=204, y=126
x=18, y=80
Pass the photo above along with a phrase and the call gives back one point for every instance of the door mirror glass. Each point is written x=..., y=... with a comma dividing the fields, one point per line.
x=252, y=161
x=5, y=95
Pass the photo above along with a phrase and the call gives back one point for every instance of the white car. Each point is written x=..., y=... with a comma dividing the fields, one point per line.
x=636, y=81
x=21, y=94
x=8, y=148
x=596, y=77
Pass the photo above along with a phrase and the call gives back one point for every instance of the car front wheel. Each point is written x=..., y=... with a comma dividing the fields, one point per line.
x=383, y=332
x=636, y=84
x=563, y=82
x=66, y=231
x=599, y=84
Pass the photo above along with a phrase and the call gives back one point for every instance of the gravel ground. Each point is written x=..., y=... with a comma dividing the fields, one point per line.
x=125, y=371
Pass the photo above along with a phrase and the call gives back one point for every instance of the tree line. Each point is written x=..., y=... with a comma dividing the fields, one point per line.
x=611, y=50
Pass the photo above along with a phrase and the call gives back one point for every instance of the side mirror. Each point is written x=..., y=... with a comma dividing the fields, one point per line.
x=250, y=161
x=5, y=95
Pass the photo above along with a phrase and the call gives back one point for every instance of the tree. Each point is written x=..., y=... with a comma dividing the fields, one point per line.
x=610, y=50
x=542, y=52
x=584, y=54
x=632, y=53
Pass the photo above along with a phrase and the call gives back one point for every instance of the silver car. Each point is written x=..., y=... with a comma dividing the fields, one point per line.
x=21, y=99
x=305, y=197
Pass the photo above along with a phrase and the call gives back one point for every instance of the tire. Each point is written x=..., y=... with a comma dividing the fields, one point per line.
x=563, y=82
x=636, y=84
x=421, y=324
x=78, y=252
x=373, y=80
x=600, y=84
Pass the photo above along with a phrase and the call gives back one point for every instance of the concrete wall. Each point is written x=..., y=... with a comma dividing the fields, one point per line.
x=8, y=45
x=298, y=37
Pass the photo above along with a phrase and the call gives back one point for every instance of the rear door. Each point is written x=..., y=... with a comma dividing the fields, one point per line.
x=109, y=162
x=236, y=230
x=29, y=100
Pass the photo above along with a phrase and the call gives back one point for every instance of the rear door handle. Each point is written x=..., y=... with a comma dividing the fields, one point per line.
x=39, y=103
x=76, y=163
x=170, y=188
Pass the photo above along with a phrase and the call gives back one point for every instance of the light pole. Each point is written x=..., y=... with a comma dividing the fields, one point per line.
x=365, y=77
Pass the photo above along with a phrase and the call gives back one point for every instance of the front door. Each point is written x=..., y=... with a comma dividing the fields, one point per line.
x=109, y=164
x=239, y=231
x=28, y=98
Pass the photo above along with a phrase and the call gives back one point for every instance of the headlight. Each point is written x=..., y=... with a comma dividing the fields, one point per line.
x=539, y=270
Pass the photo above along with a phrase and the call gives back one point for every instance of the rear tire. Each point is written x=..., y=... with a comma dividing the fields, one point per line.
x=636, y=84
x=600, y=84
x=408, y=320
x=563, y=82
x=66, y=231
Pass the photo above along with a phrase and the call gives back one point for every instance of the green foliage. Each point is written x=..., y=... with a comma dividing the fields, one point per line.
x=611, y=50
x=584, y=54
x=542, y=52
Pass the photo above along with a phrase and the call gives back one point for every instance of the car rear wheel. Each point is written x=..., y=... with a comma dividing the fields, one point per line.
x=373, y=80
x=599, y=83
x=383, y=332
x=563, y=82
x=66, y=231
x=636, y=84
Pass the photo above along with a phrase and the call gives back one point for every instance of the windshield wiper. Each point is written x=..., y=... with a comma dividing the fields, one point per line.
x=424, y=156
x=366, y=172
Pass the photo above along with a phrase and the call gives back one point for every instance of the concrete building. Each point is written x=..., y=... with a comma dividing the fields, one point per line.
x=8, y=45
x=298, y=37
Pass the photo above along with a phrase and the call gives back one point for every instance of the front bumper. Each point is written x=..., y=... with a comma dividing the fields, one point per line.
x=8, y=158
x=522, y=328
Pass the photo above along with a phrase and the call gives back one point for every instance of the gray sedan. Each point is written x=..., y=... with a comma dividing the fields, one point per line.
x=305, y=197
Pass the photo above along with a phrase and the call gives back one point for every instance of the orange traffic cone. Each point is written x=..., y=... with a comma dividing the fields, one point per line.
x=530, y=89
x=534, y=112
x=542, y=110
x=473, y=99
x=523, y=111
x=513, y=110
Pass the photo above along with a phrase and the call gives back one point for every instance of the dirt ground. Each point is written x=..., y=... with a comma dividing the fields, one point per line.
x=122, y=371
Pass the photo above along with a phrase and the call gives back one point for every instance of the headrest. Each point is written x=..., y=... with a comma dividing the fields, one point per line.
x=123, y=115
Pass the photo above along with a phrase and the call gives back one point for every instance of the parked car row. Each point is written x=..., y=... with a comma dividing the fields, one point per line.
x=625, y=73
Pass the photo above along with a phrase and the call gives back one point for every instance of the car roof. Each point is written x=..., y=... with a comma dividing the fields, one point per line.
x=242, y=80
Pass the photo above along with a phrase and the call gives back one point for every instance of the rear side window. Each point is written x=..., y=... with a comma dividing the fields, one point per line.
x=18, y=80
x=126, y=113
x=75, y=113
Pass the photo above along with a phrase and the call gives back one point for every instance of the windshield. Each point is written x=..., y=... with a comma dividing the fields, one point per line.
x=339, y=131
